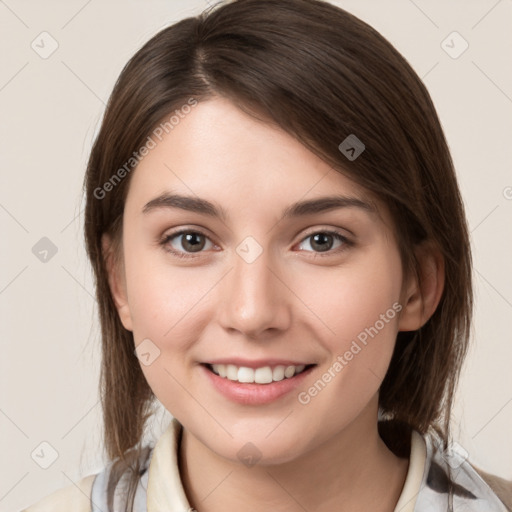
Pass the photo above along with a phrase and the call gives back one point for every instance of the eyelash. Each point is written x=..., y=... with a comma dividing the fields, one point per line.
x=164, y=242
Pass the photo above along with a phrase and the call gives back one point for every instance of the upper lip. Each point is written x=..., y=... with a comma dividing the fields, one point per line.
x=256, y=363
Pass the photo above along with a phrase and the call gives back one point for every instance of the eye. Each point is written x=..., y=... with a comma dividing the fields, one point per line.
x=323, y=241
x=185, y=242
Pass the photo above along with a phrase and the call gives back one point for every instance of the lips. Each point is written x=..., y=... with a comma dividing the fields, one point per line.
x=254, y=393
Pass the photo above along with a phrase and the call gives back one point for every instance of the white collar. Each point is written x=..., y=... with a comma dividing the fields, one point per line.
x=165, y=490
x=417, y=459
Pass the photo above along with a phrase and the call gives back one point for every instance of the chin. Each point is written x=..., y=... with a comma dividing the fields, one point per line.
x=259, y=451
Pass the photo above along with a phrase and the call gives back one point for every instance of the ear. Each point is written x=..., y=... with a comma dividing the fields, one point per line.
x=422, y=293
x=117, y=282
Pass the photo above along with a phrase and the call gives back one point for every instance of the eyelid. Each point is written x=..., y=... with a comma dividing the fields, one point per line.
x=345, y=233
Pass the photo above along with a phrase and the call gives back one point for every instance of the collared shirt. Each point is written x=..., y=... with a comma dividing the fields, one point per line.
x=160, y=488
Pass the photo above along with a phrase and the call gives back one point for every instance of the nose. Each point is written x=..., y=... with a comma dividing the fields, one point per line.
x=255, y=300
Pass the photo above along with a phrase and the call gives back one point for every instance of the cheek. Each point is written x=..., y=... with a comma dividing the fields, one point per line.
x=358, y=307
x=166, y=305
x=162, y=296
x=350, y=299
x=171, y=307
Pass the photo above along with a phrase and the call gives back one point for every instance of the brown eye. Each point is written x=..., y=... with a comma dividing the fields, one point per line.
x=323, y=241
x=192, y=242
x=185, y=242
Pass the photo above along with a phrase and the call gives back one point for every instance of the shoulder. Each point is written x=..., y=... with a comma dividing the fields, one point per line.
x=449, y=475
x=72, y=498
x=501, y=487
x=90, y=493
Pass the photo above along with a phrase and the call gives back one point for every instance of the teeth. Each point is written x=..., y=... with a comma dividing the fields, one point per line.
x=245, y=374
x=231, y=371
x=263, y=375
x=289, y=371
x=278, y=373
x=222, y=370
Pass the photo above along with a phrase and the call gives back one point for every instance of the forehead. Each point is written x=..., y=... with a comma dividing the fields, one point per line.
x=219, y=152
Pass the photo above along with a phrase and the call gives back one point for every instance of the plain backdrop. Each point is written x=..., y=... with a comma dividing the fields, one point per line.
x=50, y=111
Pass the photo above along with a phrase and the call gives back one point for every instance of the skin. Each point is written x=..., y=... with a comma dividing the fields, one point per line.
x=294, y=301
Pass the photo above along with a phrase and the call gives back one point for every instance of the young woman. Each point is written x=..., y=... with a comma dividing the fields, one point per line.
x=282, y=260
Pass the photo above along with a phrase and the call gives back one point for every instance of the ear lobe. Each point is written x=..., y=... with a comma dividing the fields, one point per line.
x=117, y=282
x=425, y=290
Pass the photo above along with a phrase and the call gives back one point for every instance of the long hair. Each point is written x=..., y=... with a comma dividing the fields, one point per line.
x=320, y=74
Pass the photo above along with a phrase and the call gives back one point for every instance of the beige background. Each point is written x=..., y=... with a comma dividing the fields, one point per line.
x=50, y=111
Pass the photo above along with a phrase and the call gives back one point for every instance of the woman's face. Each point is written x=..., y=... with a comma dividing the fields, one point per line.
x=263, y=283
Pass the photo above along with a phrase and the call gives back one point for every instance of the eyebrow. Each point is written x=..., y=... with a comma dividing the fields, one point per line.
x=299, y=209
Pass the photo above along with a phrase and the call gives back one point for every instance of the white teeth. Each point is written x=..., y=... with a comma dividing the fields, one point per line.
x=278, y=373
x=263, y=375
x=221, y=370
x=289, y=371
x=245, y=374
x=231, y=371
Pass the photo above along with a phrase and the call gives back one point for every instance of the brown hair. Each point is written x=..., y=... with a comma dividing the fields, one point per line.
x=320, y=74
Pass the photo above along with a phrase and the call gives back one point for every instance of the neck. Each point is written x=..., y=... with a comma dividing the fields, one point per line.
x=354, y=471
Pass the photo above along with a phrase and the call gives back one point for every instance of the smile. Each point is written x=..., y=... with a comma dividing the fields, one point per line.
x=262, y=384
x=261, y=375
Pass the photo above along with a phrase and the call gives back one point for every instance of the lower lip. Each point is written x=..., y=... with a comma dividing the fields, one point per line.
x=255, y=394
